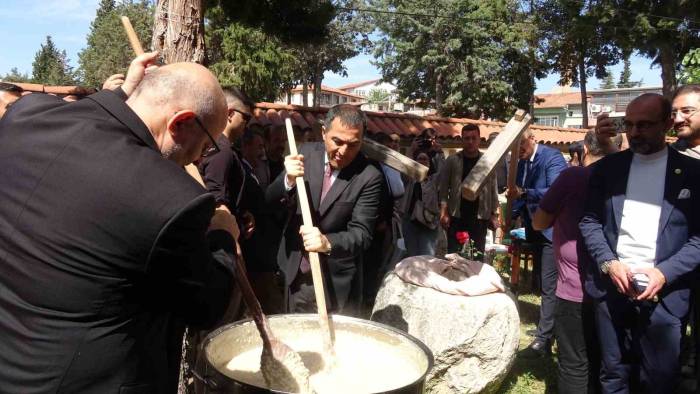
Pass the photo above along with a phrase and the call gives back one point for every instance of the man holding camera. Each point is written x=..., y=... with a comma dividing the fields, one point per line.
x=641, y=226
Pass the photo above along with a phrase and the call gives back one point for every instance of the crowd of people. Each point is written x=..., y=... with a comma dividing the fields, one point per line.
x=109, y=250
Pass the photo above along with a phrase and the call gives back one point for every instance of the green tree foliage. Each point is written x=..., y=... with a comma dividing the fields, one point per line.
x=378, y=96
x=578, y=43
x=608, y=81
x=664, y=31
x=468, y=57
x=347, y=36
x=690, y=70
x=108, y=51
x=297, y=21
x=249, y=58
x=51, y=66
x=626, y=76
x=265, y=65
x=16, y=76
x=253, y=61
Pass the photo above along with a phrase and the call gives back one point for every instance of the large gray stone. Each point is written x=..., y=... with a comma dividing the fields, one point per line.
x=473, y=339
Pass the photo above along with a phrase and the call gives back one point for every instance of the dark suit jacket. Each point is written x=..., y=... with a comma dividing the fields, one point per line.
x=678, y=242
x=223, y=175
x=545, y=168
x=103, y=251
x=347, y=217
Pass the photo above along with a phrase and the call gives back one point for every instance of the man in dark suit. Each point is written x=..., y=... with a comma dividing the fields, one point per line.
x=538, y=167
x=641, y=227
x=106, y=247
x=345, y=192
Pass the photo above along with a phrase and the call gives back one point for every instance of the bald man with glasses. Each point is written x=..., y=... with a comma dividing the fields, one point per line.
x=108, y=248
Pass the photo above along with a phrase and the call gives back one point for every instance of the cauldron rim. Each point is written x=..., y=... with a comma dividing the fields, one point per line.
x=339, y=318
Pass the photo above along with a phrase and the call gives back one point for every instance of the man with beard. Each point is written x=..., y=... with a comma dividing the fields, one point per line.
x=641, y=227
x=685, y=111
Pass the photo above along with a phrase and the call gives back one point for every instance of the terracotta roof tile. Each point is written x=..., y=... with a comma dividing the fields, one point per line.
x=410, y=125
x=64, y=90
x=330, y=90
x=402, y=123
x=357, y=84
x=557, y=100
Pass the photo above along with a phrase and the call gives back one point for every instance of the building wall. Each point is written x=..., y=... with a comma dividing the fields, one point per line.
x=328, y=99
x=614, y=101
x=547, y=116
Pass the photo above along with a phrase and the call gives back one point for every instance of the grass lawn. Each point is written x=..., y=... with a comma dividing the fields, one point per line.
x=530, y=376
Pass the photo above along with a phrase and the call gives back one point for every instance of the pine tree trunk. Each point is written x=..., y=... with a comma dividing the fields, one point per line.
x=438, y=94
x=584, y=94
x=178, y=31
x=668, y=70
x=318, y=78
x=305, y=94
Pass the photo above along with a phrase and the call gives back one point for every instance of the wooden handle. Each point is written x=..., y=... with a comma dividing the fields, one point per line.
x=133, y=38
x=326, y=325
x=251, y=301
x=512, y=174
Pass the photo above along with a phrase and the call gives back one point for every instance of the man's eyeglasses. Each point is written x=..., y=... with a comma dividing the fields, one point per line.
x=642, y=126
x=686, y=112
x=213, y=142
x=246, y=116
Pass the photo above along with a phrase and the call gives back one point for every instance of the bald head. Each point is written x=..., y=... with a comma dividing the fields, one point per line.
x=647, y=119
x=185, y=85
x=171, y=98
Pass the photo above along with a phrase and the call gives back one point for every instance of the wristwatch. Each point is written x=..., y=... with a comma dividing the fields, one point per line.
x=605, y=267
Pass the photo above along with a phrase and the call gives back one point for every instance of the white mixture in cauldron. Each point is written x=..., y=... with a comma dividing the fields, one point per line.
x=363, y=364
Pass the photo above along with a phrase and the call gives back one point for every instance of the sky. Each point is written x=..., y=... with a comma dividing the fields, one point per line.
x=26, y=23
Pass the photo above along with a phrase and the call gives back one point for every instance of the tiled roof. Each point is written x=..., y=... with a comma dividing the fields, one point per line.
x=405, y=124
x=557, y=100
x=329, y=89
x=358, y=84
x=408, y=125
x=34, y=87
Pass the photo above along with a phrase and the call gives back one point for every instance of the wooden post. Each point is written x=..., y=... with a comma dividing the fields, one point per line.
x=514, y=267
x=395, y=160
x=487, y=163
x=512, y=173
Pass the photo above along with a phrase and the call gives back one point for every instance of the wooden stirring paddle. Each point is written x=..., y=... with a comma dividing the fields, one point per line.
x=282, y=367
x=325, y=322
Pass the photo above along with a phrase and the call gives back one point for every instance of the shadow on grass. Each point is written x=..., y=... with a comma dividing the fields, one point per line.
x=529, y=310
x=530, y=375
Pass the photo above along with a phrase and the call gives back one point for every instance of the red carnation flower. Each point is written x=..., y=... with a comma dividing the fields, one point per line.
x=462, y=237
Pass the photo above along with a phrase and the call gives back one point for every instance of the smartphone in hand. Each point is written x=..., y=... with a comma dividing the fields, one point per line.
x=619, y=123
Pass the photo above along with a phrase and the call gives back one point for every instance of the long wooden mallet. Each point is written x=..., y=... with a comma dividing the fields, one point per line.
x=324, y=321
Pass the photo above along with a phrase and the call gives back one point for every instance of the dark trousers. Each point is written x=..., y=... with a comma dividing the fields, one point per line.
x=577, y=347
x=300, y=295
x=545, y=273
x=640, y=344
x=474, y=226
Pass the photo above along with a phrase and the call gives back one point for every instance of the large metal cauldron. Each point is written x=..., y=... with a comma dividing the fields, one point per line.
x=228, y=341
